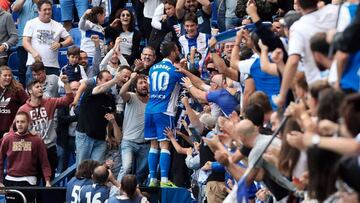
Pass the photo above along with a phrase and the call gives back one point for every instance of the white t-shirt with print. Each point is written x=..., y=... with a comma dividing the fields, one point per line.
x=301, y=32
x=42, y=36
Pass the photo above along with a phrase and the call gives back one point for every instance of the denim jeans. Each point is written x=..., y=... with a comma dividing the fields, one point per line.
x=89, y=148
x=133, y=154
x=67, y=155
x=134, y=161
x=232, y=22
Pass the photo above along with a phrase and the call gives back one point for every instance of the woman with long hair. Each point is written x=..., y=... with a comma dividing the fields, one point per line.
x=124, y=27
x=130, y=191
x=90, y=24
x=12, y=96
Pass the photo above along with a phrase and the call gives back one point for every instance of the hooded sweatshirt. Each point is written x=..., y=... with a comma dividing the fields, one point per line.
x=8, y=32
x=42, y=117
x=24, y=154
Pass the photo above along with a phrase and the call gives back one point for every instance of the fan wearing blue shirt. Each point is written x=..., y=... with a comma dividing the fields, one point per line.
x=82, y=178
x=217, y=93
x=160, y=111
x=98, y=191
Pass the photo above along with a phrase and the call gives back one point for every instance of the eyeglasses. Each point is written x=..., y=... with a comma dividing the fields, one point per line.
x=125, y=15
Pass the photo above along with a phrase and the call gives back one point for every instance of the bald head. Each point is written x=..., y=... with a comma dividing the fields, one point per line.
x=245, y=132
x=100, y=175
x=217, y=79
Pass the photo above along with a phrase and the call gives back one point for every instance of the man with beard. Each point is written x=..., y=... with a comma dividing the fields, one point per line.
x=91, y=69
x=41, y=111
x=202, y=10
x=134, y=148
x=148, y=56
x=160, y=112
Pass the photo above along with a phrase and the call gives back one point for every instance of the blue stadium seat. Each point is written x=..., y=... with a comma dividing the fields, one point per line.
x=13, y=63
x=56, y=12
x=76, y=35
x=62, y=57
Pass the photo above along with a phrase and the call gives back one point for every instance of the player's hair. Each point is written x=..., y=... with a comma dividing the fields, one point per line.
x=129, y=185
x=167, y=48
x=86, y=169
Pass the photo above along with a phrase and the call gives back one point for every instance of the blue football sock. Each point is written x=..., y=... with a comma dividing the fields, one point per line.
x=164, y=163
x=153, y=160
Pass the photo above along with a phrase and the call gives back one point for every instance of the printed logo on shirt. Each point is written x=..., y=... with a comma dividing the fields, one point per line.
x=3, y=103
x=45, y=36
x=21, y=146
x=40, y=121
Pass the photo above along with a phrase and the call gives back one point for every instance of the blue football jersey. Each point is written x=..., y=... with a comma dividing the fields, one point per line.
x=73, y=189
x=94, y=193
x=164, y=88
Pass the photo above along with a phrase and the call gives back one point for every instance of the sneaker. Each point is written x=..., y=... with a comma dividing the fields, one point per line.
x=167, y=184
x=153, y=184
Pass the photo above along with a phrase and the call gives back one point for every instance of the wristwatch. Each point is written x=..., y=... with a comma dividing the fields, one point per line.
x=212, y=50
x=315, y=140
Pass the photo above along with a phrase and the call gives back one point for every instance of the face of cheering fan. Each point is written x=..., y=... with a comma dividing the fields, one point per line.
x=5, y=78
x=125, y=17
x=45, y=12
x=37, y=90
x=191, y=5
x=147, y=57
x=142, y=87
x=191, y=28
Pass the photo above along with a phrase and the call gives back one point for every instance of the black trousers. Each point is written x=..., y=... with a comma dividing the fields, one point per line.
x=22, y=56
x=53, y=160
x=15, y=198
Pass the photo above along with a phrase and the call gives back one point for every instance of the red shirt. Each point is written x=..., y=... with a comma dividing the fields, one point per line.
x=24, y=154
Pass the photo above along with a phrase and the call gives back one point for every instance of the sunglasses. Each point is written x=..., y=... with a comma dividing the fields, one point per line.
x=125, y=15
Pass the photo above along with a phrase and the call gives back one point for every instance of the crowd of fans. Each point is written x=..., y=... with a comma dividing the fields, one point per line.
x=268, y=95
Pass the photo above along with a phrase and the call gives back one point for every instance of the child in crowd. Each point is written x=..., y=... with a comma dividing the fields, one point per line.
x=90, y=24
x=73, y=70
